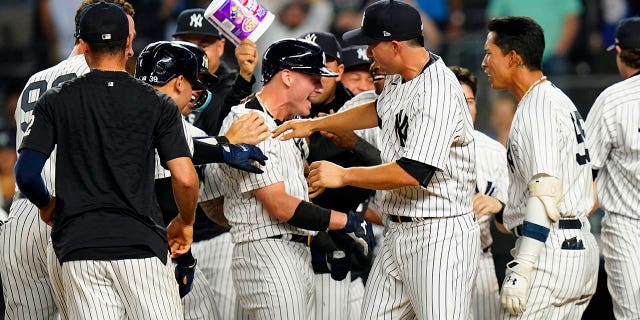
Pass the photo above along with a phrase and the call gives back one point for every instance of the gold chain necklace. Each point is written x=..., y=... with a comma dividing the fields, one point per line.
x=543, y=78
x=264, y=106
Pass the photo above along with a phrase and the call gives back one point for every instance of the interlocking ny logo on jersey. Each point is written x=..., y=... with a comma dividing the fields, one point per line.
x=196, y=20
x=300, y=146
x=402, y=124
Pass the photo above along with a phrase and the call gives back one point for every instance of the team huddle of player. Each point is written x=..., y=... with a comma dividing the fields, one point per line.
x=178, y=193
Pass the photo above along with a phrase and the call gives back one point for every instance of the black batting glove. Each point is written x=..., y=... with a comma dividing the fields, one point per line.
x=339, y=264
x=240, y=156
x=185, y=272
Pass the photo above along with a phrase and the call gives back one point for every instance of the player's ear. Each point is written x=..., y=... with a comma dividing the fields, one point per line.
x=287, y=77
x=84, y=47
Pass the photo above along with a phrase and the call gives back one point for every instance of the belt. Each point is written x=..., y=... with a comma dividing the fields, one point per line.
x=400, y=219
x=306, y=240
x=485, y=250
x=562, y=224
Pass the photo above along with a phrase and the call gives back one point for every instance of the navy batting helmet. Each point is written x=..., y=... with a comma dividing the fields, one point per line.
x=161, y=61
x=297, y=55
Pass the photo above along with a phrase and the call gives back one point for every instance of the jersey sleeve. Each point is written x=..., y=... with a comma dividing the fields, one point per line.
x=247, y=181
x=599, y=136
x=431, y=126
x=169, y=133
x=41, y=136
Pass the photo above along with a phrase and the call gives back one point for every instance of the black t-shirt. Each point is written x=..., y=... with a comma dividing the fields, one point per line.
x=106, y=126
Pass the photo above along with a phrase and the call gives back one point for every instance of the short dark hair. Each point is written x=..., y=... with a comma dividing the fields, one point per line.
x=521, y=34
x=465, y=76
x=631, y=57
x=416, y=42
x=108, y=48
x=128, y=9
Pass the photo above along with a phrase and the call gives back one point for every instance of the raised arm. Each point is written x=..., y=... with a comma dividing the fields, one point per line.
x=360, y=117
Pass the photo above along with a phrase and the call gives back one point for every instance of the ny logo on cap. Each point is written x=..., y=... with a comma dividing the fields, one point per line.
x=311, y=37
x=205, y=62
x=362, y=54
x=106, y=36
x=196, y=20
x=386, y=34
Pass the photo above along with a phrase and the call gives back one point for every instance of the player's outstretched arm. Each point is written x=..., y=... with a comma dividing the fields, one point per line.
x=325, y=174
x=361, y=117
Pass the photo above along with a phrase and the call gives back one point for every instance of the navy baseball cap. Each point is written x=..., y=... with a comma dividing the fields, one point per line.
x=103, y=22
x=386, y=20
x=192, y=21
x=627, y=34
x=355, y=56
x=327, y=42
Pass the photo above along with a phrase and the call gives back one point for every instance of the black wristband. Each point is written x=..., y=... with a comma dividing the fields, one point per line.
x=185, y=259
x=310, y=216
x=499, y=216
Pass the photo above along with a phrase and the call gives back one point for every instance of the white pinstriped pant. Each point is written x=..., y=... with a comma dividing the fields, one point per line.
x=336, y=300
x=425, y=270
x=620, y=237
x=23, y=265
x=485, y=302
x=563, y=281
x=214, y=260
x=198, y=303
x=274, y=279
x=117, y=289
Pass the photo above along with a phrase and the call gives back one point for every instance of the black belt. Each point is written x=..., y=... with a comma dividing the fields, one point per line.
x=395, y=218
x=485, y=250
x=562, y=224
x=294, y=237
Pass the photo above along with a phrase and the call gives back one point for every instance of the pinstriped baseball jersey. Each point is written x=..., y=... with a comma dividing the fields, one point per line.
x=36, y=86
x=248, y=218
x=492, y=177
x=427, y=120
x=613, y=125
x=547, y=136
x=26, y=286
x=370, y=135
x=190, y=131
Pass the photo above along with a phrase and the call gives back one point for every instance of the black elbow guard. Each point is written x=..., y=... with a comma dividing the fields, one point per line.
x=310, y=216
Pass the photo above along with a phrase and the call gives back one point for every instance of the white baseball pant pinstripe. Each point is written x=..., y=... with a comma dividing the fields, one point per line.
x=425, y=270
x=199, y=302
x=620, y=251
x=332, y=298
x=356, y=294
x=274, y=279
x=485, y=301
x=117, y=289
x=214, y=260
x=562, y=275
x=23, y=265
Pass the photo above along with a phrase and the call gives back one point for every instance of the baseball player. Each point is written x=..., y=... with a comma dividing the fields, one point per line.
x=614, y=146
x=491, y=194
x=271, y=219
x=178, y=68
x=106, y=233
x=428, y=184
x=554, y=271
x=23, y=266
x=356, y=76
